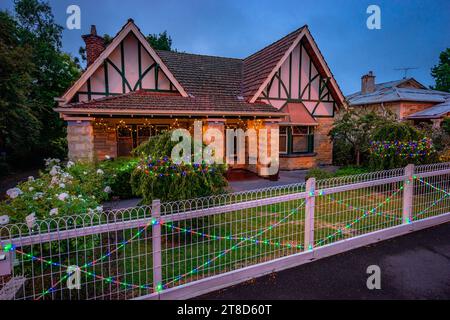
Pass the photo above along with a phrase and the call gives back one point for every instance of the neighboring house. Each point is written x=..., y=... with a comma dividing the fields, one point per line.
x=408, y=99
x=130, y=92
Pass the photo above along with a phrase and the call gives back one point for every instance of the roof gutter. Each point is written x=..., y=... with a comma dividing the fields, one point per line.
x=165, y=113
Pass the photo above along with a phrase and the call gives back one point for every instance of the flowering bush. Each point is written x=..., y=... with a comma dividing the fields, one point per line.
x=391, y=154
x=59, y=190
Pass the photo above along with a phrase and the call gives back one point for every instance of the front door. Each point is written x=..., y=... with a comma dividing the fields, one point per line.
x=124, y=141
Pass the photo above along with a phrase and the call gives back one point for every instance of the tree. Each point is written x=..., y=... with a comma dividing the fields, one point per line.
x=19, y=126
x=352, y=131
x=160, y=41
x=34, y=72
x=441, y=72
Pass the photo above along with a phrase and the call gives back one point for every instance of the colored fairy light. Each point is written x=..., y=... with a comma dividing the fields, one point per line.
x=252, y=239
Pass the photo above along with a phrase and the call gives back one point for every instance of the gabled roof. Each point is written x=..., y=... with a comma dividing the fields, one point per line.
x=433, y=112
x=397, y=91
x=126, y=29
x=260, y=67
x=145, y=102
x=398, y=94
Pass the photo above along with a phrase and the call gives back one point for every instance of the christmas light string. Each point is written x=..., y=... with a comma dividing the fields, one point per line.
x=10, y=247
x=366, y=213
x=224, y=252
x=410, y=149
x=435, y=202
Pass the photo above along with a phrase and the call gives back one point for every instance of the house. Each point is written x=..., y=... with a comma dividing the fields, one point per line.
x=407, y=98
x=130, y=92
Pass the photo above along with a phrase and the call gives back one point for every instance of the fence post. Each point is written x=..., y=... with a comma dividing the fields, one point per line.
x=309, y=213
x=156, y=245
x=408, y=190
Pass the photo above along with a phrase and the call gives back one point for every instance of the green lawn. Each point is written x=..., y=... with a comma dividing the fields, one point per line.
x=202, y=247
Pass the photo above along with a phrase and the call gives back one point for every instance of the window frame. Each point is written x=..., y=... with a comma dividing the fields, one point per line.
x=290, y=138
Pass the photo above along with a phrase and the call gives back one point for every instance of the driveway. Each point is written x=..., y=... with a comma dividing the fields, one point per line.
x=414, y=266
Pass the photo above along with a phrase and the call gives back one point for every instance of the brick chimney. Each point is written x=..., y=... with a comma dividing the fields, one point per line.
x=368, y=83
x=94, y=45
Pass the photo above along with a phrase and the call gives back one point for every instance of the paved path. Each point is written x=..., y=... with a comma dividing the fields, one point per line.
x=251, y=181
x=414, y=266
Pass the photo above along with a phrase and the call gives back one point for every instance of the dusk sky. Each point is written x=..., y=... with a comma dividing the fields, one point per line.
x=412, y=34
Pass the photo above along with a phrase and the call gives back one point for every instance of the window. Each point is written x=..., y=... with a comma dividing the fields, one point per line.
x=299, y=139
x=160, y=128
x=296, y=139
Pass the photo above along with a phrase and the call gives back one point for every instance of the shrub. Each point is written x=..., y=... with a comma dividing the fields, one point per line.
x=164, y=180
x=157, y=177
x=59, y=190
x=350, y=170
x=444, y=156
x=118, y=176
x=318, y=174
x=395, y=145
x=158, y=146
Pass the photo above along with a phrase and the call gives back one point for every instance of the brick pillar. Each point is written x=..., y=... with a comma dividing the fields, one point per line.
x=80, y=139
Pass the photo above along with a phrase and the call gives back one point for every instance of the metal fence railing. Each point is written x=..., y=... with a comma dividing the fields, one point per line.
x=148, y=250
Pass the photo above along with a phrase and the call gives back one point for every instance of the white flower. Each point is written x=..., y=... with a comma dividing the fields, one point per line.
x=30, y=178
x=14, y=193
x=62, y=185
x=55, y=180
x=107, y=189
x=70, y=164
x=100, y=171
x=30, y=220
x=55, y=170
x=54, y=212
x=84, y=172
x=4, y=219
x=30, y=189
x=63, y=196
x=38, y=195
x=99, y=209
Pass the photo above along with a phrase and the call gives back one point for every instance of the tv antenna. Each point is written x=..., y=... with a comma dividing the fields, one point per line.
x=405, y=70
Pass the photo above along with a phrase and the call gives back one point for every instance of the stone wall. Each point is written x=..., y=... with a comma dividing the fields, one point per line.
x=80, y=140
x=323, y=146
x=289, y=162
x=408, y=108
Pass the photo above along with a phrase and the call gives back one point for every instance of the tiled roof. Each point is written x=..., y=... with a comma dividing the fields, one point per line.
x=257, y=67
x=205, y=75
x=169, y=102
x=392, y=91
x=433, y=112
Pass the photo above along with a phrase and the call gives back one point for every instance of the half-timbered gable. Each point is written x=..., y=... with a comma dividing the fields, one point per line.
x=298, y=80
x=128, y=64
x=129, y=67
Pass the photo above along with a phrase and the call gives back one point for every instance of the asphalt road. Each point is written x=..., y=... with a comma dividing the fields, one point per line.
x=414, y=266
